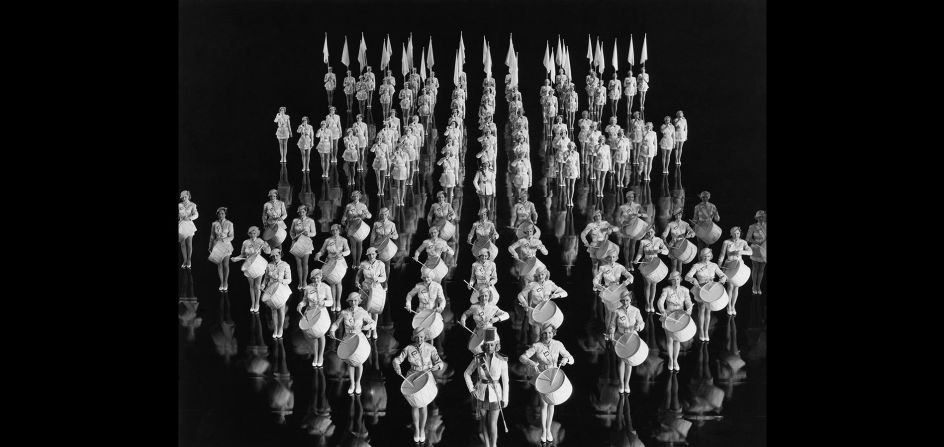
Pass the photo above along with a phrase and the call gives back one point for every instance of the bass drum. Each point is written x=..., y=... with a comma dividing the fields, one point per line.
x=314, y=323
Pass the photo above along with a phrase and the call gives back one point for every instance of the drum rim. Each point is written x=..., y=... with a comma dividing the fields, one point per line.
x=548, y=378
x=671, y=314
x=620, y=342
x=701, y=292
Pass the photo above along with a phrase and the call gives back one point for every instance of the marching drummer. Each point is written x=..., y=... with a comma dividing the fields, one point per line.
x=302, y=231
x=599, y=230
x=484, y=232
x=383, y=230
x=705, y=212
x=529, y=246
x=674, y=297
x=434, y=247
x=348, y=88
x=316, y=296
x=731, y=252
x=422, y=357
x=430, y=297
x=547, y=353
x=355, y=320
x=440, y=213
x=490, y=390
x=536, y=292
x=699, y=275
x=609, y=274
x=485, y=313
x=524, y=212
x=354, y=214
x=650, y=247
x=676, y=232
x=278, y=272
x=250, y=250
x=626, y=317
x=627, y=214
x=336, y=247
x=371, y=272
x=273, y=217
x=484, y=275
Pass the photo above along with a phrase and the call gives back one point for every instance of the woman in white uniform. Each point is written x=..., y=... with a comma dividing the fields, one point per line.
x=681, y=135
x=186, y=214
x=674, y=297
x=316, y=298
x=221, y=246
x=484, y=183
x=283, y=132
x=306, y=138
x=650, y=247
x=731, y=252
x=250, y=250
x=542, y=355
x=624, y=319
x=422, y=357
x=757, y=237
x=302, y=232
x=642, y=82
x=667, y=143
x=699, y=275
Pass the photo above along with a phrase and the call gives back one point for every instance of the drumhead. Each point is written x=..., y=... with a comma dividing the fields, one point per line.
x=712, y=292
x=348, y=346
x=414, y=382
x=544, y=311
x=676, y=320
x=628, y=344
x=550, y=380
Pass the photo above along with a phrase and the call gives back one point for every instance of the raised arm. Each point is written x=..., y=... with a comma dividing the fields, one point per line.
x=286, y=277
x=526, y=357
x=513, y=247
x=567, y=357
x=398, y=360
x=193, y=212
x=439, y=299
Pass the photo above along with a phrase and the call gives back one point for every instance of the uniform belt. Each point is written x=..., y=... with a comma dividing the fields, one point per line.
x=486, y=381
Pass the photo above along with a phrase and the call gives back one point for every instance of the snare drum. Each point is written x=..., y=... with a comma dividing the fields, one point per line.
x=632, y=349
x=447, y=231
x=274, y=234
x=708, y=234
x=354, y=349
x=314, y=323
x=419, y=389
x=714, y=295
x=679, y=325
x=530, y=266
x=654, y=270
x=386, y=251
x=601, y=249
x=221, y=250
x=547, y=313
x=302, y=246
x=737, y=272
x=276, y=295
x=635, y=229
x=254, y=267
x=554, y=386
x=334, y=270
x=437, y=273
x=684, y=251
x=362, y=231
x=429, y=319
x=377, y=299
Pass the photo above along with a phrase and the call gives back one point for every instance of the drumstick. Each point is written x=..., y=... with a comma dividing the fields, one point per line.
x=464, y=327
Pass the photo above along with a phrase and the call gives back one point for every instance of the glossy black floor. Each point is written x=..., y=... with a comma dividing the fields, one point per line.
x=239, y=387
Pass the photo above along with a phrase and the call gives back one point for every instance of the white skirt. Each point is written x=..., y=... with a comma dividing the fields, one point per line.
x=185, y=229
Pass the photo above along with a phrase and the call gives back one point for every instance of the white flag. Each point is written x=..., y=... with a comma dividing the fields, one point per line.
x=429, y=54
x=510, y=56
x=362, y=54
x=325, y=50
x=488, y=60
x=553, y=70
x=345, y=59
x=589, y=51
x=645, y=52
x=632, y=57
x=484, y=50
x=423, y=66
x=455, y=70
x=409, y=52
x=558, y=56
x=547, y=58
x=615, y=62
x=461, y=50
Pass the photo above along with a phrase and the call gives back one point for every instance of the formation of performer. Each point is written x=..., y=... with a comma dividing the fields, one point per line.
x=397, y=150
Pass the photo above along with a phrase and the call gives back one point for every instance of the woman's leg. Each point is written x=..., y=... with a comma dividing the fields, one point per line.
x=336, y=290
x=492, y=428
x=761, y=268
x=642, y=100
x=621, y=365
x=544, y=420
x=300, y=271
x=282, y=322
x=423, y=415
x=350, y=376
x=358, y=373
x=189, y=249
x=678, y=152
x=416, y=424
x=225, y=269
x=274, y=314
